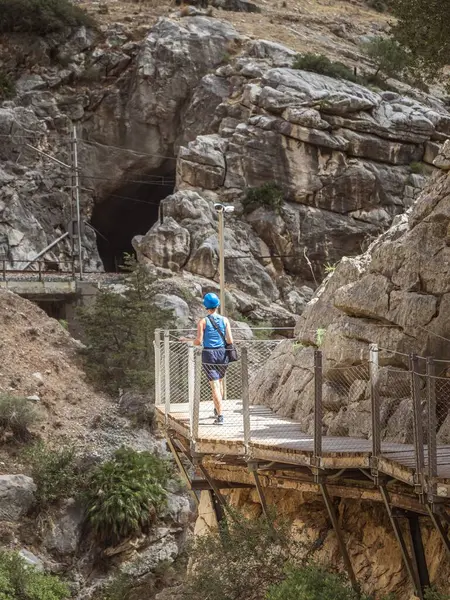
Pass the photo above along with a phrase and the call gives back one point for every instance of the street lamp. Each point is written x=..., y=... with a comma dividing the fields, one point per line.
x=222, y=209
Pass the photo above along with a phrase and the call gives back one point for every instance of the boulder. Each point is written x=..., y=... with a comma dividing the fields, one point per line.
x=64, y=530
x=16, y=496
x=236, y=5
x=166, y=245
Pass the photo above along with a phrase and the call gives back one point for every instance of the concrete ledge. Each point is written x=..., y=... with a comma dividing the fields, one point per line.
x=40, y=288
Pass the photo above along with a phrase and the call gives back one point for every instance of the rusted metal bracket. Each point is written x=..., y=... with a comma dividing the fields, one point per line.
x=343, y=548
x=436, y=520
x=181, y=468
x=253, y=468
x=216, y=491
x=401, y=541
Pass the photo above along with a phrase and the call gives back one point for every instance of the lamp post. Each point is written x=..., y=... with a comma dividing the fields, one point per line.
x=222, y=209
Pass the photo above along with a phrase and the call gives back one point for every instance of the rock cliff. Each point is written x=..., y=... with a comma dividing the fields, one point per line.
x=199, y=109
x=395, y=295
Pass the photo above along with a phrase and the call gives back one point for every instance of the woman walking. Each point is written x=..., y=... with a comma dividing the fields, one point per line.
x=214, y=333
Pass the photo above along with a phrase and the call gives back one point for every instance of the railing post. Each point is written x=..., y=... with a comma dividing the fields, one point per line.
x=318, y=382
x=158, y=367
x=432, y=428
x=40, y=270
x=4, y=269
x=417, y=421
x=375, y=399
x=197, y=395
x=167, y=375
x=245, y=398
x=191, y=378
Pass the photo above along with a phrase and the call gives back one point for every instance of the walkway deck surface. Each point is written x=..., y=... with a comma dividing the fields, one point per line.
x=276, y=438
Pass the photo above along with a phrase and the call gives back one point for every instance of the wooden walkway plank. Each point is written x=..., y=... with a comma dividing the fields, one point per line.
x=277, y=438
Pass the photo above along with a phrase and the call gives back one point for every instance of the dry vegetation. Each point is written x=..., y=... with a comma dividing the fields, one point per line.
x=329, y=26
x=40, y=358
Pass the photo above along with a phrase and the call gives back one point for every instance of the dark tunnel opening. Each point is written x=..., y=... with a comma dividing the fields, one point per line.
x=129, y=210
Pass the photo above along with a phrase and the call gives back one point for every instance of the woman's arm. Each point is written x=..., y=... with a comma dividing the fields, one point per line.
x=228, y=334
x=200, y=330
x=198, y=341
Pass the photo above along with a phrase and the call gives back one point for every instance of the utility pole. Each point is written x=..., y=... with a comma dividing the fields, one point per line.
x=76, y=192
x=221, y=210
x=222, y=262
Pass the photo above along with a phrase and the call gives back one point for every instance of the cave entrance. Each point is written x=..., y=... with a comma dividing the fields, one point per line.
x=131, y=209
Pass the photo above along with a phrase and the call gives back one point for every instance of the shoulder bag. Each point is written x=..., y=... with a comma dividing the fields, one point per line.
x=232, y=353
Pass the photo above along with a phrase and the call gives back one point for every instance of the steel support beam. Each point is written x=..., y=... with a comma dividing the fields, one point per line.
x=418, y=551
x=181, y=468
x=436, y=520
x=216, y=490
x=262, y=497
x=401, y=541
x=340, y=539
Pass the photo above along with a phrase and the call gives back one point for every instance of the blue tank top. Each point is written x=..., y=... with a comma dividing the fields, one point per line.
x=211, y=337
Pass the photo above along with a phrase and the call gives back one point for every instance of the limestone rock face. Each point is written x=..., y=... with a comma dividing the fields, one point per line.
x=16, y=496
x=395, y=295
x=195, y=101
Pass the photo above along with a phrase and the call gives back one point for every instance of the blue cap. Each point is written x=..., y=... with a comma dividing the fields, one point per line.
x=211, y=301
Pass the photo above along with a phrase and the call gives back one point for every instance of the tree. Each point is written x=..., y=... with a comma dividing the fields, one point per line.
x=241, y=561
x=388, y=55
x=313, y=583
x=422, y=28
x=119, y=332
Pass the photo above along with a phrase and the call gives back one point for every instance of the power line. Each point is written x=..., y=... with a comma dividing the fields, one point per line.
x=82, y=141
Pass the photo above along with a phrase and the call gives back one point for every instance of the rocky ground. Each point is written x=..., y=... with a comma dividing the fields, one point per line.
x=40, y=362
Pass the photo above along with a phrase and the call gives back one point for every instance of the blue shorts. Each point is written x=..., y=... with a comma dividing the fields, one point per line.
x=215, y=363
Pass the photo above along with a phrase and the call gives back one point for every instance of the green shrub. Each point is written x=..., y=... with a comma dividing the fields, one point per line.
x=433, y=594
x=54, y=472
x=119, y=332
x=16, y=415
x=329, y=268
x=41, y=16
x=119, y=588
x=319, y=63
x=269, y=194
x=241, y=561
x=320, y=336
x=388, y=55
x=7, y=87
x=313, y=583
x=125, y=494
x=21, y=581
x=64, y=324
x=418, y=168
x=378, y=5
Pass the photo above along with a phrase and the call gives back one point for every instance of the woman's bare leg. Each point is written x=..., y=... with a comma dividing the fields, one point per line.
x=217, y=395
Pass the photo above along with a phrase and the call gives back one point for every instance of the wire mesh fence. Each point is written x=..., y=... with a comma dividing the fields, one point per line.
x=187, y=374
x=346, y=401
x=400, y=408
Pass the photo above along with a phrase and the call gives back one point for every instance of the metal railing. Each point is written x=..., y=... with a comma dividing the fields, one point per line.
x=38, y=270
x=379, y=410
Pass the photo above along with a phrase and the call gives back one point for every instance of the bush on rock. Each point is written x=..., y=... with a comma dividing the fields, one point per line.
x=41, y=16
x=21, y=581
x=125, y=494
x=269, y=195
x=17, y=414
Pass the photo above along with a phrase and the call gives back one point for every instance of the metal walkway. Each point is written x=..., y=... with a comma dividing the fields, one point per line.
x=357, y=456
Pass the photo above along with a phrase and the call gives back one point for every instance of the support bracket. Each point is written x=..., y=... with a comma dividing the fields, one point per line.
x=340, y=539
x=253, y=468
x=401, y=541
x=436, y=520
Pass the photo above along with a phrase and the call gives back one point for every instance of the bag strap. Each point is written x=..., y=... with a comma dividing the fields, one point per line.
x=216, y=327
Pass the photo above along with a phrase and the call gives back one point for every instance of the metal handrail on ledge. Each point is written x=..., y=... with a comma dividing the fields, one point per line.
x=40, y=268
